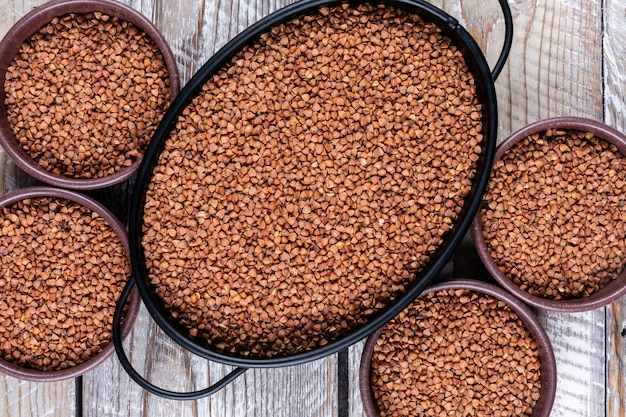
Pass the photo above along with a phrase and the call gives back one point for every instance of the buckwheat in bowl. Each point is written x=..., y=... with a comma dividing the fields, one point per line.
x=552, y=225
x=63, y=264
x=83, y=85
x=463, y=347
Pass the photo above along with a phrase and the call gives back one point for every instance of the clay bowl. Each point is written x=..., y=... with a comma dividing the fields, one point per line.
x=608, y=293
x=40, y=311
x=9, y=49
x=547, y=364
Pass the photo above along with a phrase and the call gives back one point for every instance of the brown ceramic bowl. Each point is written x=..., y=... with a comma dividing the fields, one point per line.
x=610, y=292
x=22, y=31
x=546, y=355
x=32, y=374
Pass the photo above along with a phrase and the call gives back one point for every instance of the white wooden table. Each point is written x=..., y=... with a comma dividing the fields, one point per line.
x=568, y=58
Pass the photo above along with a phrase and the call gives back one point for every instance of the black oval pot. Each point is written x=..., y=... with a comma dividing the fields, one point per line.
x=484, y=79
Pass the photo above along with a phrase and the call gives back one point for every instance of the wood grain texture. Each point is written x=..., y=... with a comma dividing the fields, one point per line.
x=614, y=48
x=579, y=347
x=555, y=70
x=195, y=30
x=616, y=362
x=355, y=404
x=23, y=398
x=562, y=52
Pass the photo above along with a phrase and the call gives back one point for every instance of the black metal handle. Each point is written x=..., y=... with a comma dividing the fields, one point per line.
x=141, y=381
x=508, y=39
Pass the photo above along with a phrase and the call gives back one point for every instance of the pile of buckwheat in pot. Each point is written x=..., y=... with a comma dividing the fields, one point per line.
x=85, y=93
x=554, y=216
x=62, y=270
x=455, y=352
x=310, y=178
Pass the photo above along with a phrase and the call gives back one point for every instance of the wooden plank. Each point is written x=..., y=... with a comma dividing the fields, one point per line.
x=484, y=20
x=195, y=30
x=355, y=403
x=26, y=399
x=615, y=363
x=555, y=64
x=614, y=48
x=615, y=115
x=579, y=348
x=301, y=390
x=555, y=70
x=23, y=398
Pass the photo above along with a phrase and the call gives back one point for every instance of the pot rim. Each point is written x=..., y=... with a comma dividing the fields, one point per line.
x=609, y=293
x=486, y=90
x=29, y=24
x=546, y=354
x=37, y=375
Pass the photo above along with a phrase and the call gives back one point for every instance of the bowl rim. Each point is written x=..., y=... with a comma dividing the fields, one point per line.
x=29, y=24
x=607, y=294
x=547, y=359
x=37, y=375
